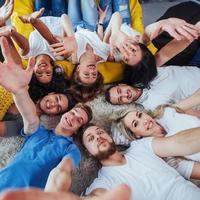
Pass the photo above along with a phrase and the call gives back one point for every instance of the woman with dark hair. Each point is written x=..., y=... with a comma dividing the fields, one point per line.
x=130, y=46
x=144, y=73
x=58, y=84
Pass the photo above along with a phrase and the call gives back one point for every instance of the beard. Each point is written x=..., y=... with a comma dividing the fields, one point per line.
x=102, y=155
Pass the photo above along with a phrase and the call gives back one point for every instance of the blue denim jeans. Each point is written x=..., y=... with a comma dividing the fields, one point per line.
x=52, y=7
x=58, y=7
x=1, y=2
x=196, y=59
x=121, y=6
x=83, y=13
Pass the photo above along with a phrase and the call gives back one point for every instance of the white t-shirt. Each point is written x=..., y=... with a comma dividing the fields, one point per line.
x=37, y=44
x=174, y=122
x=172, y=84
x=84, y=37
x=148, y=176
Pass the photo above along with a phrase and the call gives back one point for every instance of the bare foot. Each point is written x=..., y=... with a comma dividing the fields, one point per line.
x=32, y=17
x=6, y=30
x=6, y=11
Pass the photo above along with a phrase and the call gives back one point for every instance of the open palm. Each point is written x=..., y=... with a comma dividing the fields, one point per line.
x=12, y=76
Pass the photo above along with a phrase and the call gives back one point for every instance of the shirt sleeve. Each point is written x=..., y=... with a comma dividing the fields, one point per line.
x=98, y=183
x=73, y=153
x=39, y=129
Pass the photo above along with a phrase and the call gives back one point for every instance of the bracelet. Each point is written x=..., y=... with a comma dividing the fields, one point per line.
x=100, y=24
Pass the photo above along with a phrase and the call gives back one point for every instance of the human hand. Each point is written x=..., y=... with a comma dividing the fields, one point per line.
x=122, y=192
x=59, y=179
x=117, y=41
x=177, y=28
x=6, y=11
x=102, y=13
x=12, y=76
x=65, y=47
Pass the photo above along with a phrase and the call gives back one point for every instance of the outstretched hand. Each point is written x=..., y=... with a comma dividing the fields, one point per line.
x=177, y=28
x=65, y=47
x=6, y=11
x=102, y=13
x=119, y=193
x=12, y=76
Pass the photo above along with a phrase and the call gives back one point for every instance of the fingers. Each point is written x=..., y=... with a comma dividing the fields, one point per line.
x=174, y=34
x=31, y=65
x=99, y=9
x=55, y=45
x=155, y=33
x=119, y=193
x=6, y=51
x=32, y=194
x=106, y=9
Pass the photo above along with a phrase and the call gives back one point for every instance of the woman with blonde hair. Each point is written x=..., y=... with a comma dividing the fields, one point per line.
x=166, y=120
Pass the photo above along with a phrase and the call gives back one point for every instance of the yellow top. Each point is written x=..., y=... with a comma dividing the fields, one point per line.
x=111, y=71
x=6, y=101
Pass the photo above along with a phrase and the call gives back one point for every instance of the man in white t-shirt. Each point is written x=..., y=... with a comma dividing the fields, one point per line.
x=172, y=84
x=141, y=167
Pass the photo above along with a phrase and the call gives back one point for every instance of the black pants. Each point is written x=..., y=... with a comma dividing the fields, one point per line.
x=190, y=12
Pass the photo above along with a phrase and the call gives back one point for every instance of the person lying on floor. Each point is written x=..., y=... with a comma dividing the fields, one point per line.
x=43, y=149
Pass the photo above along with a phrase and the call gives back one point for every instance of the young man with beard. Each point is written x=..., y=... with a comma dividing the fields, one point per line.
x=43, y=150
x=141, y=167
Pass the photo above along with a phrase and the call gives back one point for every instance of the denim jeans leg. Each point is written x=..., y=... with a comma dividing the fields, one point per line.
x=196, y=59
x=43, y=4
x=74, y=11
x=90, y=14
x=103, y=4
x=123, y=7
x=58, y=7
x=1, y=2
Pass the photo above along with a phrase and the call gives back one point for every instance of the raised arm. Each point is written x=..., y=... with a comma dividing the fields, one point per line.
x=177, y=28
x=190, y=102
x=102, y=15
x=16, y=80
x=181, y=144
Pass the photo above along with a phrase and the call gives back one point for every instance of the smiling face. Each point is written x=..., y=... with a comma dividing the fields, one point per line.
x=142, y=125
x=54, y=103
x=123, y=94
x=87, y=73
x=71, y=121
x=43, y=69
x=98, y=142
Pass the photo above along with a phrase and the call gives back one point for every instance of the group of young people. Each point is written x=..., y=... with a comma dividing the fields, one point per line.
x=90, y=34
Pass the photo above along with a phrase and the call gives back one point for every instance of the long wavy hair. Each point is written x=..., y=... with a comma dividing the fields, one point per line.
x=58, y=84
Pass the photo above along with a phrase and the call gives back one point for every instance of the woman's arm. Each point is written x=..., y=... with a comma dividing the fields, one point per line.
x=170, y=50
x=189, y=102
x=102, y=15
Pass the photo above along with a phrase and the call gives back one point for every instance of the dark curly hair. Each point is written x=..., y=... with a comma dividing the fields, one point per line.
x=83, y=92
x=58, y=84
x=141, y=74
